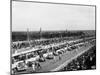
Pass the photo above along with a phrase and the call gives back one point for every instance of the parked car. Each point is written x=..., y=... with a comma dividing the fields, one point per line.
x=21, y=66
x=69, y=49
x=55, y=54
x=50, y=57
x=59, y=51
x=41, y=59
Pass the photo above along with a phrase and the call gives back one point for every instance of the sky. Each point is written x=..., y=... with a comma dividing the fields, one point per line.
x=50, y=17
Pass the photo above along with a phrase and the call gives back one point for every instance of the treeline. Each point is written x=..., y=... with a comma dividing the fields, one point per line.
x=22, y=36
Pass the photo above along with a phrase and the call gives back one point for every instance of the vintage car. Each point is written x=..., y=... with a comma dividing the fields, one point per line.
x=60, y=51
x=55, y=54
x=50, y=57
x=46, y=54
x=19, y=67
x=69, y=49
x=33, y=59
x=41, y=59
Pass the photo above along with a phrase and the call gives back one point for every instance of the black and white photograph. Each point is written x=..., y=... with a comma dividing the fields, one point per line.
x=52, y=37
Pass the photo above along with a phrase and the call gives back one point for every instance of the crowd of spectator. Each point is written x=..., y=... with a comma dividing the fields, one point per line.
x=84, y=62
x=19, y=45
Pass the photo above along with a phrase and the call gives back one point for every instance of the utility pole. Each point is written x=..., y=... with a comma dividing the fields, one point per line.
x=28, y=38
x=27, y=34
x=40, y=33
